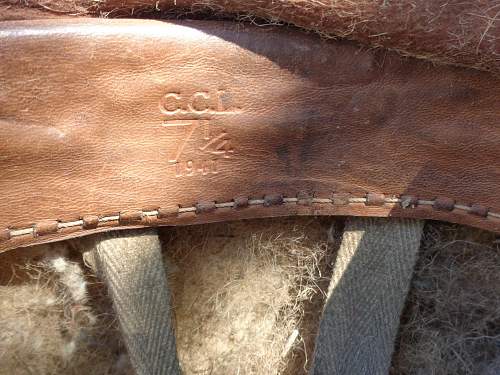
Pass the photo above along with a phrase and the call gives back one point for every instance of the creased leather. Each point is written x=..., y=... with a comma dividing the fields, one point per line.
x=117, y=117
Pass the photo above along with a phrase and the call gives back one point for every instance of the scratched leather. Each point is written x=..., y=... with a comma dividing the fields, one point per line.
x=100, y=116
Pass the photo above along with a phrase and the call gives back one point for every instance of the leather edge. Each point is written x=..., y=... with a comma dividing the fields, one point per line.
x=273, y=205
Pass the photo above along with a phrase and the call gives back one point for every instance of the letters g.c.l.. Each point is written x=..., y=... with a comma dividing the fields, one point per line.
x=199, y=102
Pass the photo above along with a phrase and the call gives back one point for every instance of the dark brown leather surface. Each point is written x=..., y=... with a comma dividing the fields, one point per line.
x=111, y=124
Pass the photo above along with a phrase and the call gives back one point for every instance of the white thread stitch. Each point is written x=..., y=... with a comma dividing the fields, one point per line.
x=255, y=201
x=425, y=203
x=187, y=209
x=224, y=205
x=357, y=200
x=495, y=215
x=321, y=200
x=392, y=200
x=105, y=219
x=69, y=224
x=462, y=207
x=21, y=232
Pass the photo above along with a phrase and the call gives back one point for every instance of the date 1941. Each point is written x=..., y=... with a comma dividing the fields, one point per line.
x=195, y=168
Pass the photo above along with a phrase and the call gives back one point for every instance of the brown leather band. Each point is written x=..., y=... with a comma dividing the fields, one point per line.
x=464, y=33
x=110, y=124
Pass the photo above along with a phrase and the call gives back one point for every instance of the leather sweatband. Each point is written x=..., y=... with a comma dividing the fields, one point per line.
x=106, y=124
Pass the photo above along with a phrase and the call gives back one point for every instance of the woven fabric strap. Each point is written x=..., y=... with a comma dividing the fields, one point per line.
x=369, y=285
x=132, y=267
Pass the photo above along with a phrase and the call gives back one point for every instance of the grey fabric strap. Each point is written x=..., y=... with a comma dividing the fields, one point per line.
x=131, y=265
x=369, y=285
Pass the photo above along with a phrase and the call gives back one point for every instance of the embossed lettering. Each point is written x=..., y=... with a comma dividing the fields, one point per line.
x=200, y=146
x=218, y=145
x=222, y=99
x=190, y=126
x=198, y=103
x=169, y=103
x=195, y=167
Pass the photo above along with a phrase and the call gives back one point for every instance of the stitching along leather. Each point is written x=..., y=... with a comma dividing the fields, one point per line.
x=135, y=217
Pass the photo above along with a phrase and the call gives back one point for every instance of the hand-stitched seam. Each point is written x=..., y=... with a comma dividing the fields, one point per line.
x=406, y=202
